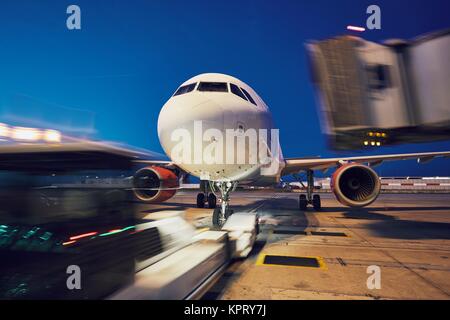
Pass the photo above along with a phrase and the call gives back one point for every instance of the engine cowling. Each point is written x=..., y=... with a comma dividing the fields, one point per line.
x=154, y=184
x=355, y=185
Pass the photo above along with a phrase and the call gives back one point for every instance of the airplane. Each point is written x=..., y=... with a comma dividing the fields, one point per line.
x=211, y=105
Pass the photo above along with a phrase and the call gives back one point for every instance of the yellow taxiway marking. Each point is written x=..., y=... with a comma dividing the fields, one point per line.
x=201, y=230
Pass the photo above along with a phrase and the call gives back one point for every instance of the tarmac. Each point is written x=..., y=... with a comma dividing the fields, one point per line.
x=397, y=248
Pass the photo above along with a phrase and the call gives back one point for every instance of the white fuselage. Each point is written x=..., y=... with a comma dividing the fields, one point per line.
x=200, y=125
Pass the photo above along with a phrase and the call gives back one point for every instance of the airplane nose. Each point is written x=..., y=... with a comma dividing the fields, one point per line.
x=184, y=113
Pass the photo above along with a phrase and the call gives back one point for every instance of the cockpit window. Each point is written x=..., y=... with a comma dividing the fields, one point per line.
x=213, y=86
x=185, y=89
x=235, y=89
x=249, y=97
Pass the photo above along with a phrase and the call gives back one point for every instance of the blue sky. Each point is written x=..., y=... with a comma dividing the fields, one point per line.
x=130, y=56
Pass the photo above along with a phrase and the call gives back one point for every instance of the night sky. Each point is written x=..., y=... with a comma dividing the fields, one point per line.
x=130, y=56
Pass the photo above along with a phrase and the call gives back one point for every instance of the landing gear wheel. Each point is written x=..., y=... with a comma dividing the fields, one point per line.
x=316, y=202
x=218, y=219
x=200, y=200
x=303, y=203
x=221, y=214
x=212, y=200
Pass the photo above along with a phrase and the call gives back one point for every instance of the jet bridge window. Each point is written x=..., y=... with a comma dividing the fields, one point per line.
x=185, y=89
x=379, y=76
x=249, y=97
x=235, y=89
x=213, y=87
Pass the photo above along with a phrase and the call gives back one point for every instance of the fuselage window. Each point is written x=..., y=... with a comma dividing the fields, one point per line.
x=249, y=97
x=235, y=89
x=213, y=87
x=185, y=89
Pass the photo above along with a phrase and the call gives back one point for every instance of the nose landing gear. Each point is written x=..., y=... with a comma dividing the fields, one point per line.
x=222, y=213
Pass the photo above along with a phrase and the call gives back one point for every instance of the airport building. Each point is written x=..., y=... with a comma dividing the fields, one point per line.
x=395, y=184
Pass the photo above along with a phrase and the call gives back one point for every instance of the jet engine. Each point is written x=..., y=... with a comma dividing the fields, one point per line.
x=355, y=185
x=154, y=184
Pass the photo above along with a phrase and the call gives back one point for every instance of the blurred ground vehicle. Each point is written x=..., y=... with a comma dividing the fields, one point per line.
x=73, y=204
x=50, y=218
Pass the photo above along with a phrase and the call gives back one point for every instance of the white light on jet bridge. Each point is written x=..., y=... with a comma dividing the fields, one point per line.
x=26, y=134
x=354, y=28
x=52, y=136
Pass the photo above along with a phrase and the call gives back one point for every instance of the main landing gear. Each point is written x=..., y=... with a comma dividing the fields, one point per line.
x=309, y=198
x=206, y=197
x=221, y=214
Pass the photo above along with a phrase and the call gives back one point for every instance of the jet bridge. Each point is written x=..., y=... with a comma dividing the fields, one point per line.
x=373, y=94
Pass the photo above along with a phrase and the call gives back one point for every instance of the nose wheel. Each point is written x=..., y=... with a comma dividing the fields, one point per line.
x=219, y=218
x=221, y=214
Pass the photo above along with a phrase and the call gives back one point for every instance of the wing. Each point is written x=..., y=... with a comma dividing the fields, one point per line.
x=298, y=164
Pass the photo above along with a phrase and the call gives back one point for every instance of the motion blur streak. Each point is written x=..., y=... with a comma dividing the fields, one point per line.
x=353, y=28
